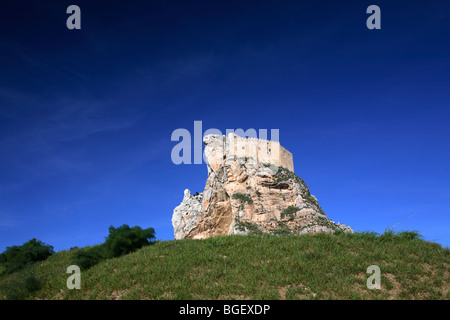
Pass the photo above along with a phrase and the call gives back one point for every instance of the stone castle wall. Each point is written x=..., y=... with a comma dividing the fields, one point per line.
x=264, y=151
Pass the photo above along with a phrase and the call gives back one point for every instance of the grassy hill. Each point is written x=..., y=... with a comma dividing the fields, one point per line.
x=318, y=266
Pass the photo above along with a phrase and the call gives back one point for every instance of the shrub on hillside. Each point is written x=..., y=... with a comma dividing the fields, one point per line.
x=400, y=235
x=16, y=257
x=124, y=239
x=89, y=257
x=21, y=287
x=32, y=284
x=120, y=241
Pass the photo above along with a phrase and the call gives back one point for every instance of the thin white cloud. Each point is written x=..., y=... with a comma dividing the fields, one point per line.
x=7, y=221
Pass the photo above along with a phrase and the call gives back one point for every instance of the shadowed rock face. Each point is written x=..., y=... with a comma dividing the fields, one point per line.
x=244, y=196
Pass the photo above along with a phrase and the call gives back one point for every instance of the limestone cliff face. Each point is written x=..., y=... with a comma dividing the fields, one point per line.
x=243, y=195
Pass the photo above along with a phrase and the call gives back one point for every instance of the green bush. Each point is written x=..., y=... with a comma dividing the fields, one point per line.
x=289, y=212
x=20, y=288
x=89, y=257
x=410, y=235
x=246, y=226
x=243, y=197
x=17, y=257
x=13, y=290
x=124, y=239
x=120, y=241
x=401, y=235
x=32, y=284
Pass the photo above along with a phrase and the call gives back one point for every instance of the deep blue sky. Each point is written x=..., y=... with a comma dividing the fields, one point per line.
x=86, y=115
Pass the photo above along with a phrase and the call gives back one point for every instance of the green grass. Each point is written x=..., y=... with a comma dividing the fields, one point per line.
x=321, y=266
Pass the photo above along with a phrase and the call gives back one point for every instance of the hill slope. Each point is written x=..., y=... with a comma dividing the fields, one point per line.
x=321, y=266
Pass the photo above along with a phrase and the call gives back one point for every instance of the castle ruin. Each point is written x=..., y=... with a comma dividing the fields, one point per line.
x=263, y=151
x=244, y=195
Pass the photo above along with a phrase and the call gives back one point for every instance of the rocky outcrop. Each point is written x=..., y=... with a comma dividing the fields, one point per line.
x=245, y=196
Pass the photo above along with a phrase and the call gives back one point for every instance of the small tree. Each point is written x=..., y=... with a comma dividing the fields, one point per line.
x=16, y=257
x=124, y=239
x=120, y=241
x=87, y=258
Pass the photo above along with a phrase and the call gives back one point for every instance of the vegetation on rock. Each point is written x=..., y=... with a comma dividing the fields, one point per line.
x=243, y=197
x=289, y=212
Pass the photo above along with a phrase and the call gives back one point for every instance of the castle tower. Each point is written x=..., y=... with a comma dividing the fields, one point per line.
x=263, y=151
